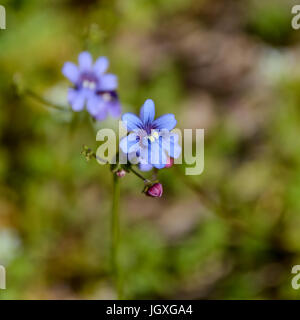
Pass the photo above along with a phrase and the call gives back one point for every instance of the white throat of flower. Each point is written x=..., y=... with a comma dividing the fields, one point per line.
x=106, y=97
x=89, y=84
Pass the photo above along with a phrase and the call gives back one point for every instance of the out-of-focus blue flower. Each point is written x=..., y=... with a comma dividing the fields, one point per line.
x=150, y=142
x=92, y=87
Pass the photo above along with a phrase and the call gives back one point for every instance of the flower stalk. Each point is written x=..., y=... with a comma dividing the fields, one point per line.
x=43, y=101
x=115, y=234
x=138, y=175
x=151, y=188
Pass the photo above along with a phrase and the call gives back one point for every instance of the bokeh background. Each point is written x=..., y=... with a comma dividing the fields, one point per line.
x=230, y=67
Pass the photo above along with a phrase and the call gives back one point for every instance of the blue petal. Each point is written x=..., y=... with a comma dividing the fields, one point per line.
x=114, y=108
x=112, y=102
x=70, y=71
x=144, y=155
x=108, y=82
x=76, y=99
x=129, y=143
x=85, y=60
x=166, y=121
x=131, y=121
x=175, y=150
x=101, y=65
x=145, y=167
x=94, y=104
x=101, y=114
x=158, y=155
x=147, y=112
x=171, y=146
x=163, y=159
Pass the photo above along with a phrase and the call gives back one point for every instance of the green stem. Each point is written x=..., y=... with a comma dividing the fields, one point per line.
x=115, y=231
x=138, y=174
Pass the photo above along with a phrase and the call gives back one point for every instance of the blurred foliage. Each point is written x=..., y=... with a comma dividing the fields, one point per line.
x=227, y=66
x=271, y=20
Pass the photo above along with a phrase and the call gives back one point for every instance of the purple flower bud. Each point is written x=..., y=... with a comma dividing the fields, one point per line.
x=156, y=190
x=121, y=173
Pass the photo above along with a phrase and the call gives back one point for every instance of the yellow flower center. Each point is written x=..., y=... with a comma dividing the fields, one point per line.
x=153, y=137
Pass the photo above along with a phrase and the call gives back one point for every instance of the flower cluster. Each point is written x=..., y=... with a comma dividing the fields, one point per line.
x=150, y=142
x=92, y=87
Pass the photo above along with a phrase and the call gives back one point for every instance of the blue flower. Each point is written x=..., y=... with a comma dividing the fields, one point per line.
x=150, y=142
x=92, y=87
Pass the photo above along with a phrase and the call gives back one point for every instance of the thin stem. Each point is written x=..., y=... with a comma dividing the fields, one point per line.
x=138, y=174
x=42, y=100
x=115, y=232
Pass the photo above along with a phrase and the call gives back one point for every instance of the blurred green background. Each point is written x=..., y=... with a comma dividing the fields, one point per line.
x=230, y=67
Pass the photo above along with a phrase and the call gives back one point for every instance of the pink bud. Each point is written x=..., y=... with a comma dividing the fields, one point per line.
x=156, y=190
x=170, y=162
x=121, y=173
